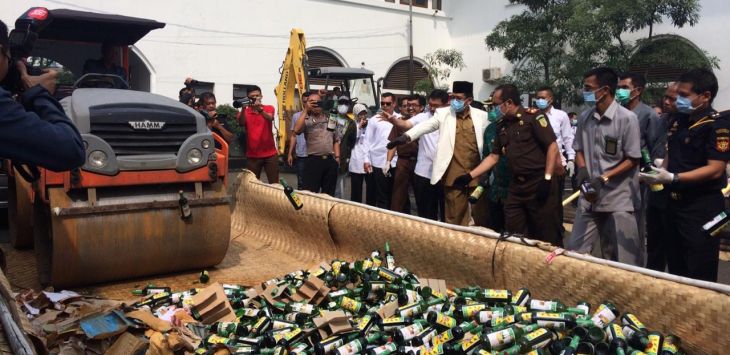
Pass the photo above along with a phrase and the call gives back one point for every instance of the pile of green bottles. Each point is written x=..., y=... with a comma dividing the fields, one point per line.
x=471, y=320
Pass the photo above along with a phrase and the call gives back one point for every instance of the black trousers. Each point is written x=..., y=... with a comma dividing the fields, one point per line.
x=496, y=215
x=383, y=188
x=692, y=252
x=656, y=233
x=356, y=182
x=320, y=174
x=429, y=198
x=524, y=214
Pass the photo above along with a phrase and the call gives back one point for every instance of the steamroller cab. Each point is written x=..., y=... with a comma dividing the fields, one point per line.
x=149, y=161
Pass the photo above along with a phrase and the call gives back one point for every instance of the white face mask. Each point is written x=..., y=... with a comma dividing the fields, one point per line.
x=342, y=109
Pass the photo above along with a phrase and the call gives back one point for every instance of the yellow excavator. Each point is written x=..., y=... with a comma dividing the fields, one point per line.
x=297, y=77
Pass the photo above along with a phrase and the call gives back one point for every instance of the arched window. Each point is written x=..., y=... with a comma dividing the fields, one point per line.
x=397, y=77
x=323, y=57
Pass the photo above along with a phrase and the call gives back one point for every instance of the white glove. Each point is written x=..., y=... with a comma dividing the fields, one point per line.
x=657, y=176
x=386, y=168
x=658, y=162
x=570, y=168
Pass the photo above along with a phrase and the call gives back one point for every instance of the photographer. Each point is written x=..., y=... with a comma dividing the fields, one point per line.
x=36, y=130
x=258, y=122
x=216, y=123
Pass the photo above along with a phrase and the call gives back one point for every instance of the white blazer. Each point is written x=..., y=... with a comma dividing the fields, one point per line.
x=445, y=120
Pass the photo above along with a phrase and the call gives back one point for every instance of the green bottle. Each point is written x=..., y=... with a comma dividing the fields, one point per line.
x=537, y=339
x=552, y=320
x=604, y=315
x=405, y=334
x=633, y=322
x=230, y=329
x=292, y=195
x=389, y=258
x=572, y=347
x=521, y=297
x=654, y=346
x=441, y=320
x=500, y=339
x=478, y=192
x=358, y=345
x=494, y=296
x=547, y=306
x=647, y=167
x=386, y=349
x=671, y=345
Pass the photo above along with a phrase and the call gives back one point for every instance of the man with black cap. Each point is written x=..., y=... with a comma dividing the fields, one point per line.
x=527, y=140
x=459, y=148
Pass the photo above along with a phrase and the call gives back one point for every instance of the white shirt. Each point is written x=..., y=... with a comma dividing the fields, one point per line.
x=426, y=147
x=564, y=133
x=376, y=138
x=357, y=157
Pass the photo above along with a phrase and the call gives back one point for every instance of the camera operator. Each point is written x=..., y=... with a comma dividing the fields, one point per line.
x=36, y=130
x=216, y=123
x=258, y=122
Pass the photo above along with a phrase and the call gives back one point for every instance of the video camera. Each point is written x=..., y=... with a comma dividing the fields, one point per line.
x=21, y=42
x=243, y=102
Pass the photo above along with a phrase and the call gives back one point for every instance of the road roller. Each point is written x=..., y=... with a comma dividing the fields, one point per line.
x=151, y=197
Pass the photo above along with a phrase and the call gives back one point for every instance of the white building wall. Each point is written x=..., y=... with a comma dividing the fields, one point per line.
x=244, y=41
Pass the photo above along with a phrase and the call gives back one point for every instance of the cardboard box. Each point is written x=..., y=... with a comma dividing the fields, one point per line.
x=211, y=305
x=332, y=323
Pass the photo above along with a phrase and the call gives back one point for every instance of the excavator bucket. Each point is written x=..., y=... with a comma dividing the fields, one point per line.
x=78, y=243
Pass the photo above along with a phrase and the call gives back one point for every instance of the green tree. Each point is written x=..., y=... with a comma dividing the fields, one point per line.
x=553, y=42
x=441, y=63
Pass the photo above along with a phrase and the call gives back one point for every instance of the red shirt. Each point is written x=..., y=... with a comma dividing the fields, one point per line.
x=259, y=133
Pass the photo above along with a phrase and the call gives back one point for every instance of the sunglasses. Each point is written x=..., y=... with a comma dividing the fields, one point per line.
x=385, y=103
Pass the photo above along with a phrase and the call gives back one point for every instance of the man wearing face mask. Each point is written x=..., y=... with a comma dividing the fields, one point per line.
x=630, y=87
x=459, y=149
x=698, y=148
x=429, y=197
x=607, y=159
x=346, y=131
x=499, y=176
x=656, y=209
x=564, y=135
x=527, y=140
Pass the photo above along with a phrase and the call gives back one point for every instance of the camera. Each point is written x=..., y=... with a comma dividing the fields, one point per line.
x=190, y=84
x=243, y=102
x=21, y=42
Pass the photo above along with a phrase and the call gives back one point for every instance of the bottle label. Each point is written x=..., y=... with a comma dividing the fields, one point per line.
x=670, y=348
x=503, y=320
x=214, y=339
x=470, y=311
x=430, y=333
x=436, y=350
x=603, y=317
x=615, y=332
x=226, y=328
x=536, y=334
x=543, y=305
x=654, y=342
x=295, y=198
x=501, y=338
x=350, y=304
x=485, y=316
x=411, y=331
x=331, y=343
x=442, y=338
x=445, y=321
x=631, y=319
x=292, y=334
x=583, y=307
x=364, y=322
x=520, y=298
x=352, y=348
x=278, y=325
x=409, y=310
x=491, y=294
x=466, y=346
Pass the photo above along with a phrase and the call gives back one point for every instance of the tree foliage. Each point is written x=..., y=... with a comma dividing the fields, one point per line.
x=441, y=63
x=553, y=42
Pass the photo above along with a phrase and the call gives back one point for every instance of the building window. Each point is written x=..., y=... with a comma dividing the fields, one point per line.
x=417, y=3
x=436, y=4
x=389, y=0
x=203, y=86
x=317, y=58
x=397, y=76
x=241, y=90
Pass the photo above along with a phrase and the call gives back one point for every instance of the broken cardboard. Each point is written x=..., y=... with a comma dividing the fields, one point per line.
x=126, y=344
x=150, y=320
x=436, y=285
x=211, y=305
x=105, y=325
x=332, y=323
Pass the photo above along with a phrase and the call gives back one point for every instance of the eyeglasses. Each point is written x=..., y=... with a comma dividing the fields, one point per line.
x=385, y=103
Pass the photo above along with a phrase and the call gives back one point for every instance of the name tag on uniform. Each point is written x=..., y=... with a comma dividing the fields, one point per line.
x=611, y=145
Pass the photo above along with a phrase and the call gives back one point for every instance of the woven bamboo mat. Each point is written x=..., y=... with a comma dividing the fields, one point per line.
x=269, y=238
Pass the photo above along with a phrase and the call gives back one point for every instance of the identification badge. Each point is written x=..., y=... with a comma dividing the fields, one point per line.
x=611, y=146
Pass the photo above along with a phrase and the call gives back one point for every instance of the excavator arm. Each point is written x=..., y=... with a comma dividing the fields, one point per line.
x=292, y=84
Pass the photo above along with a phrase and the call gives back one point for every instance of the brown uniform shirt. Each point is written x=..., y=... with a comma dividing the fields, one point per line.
x=406, y=151
x=320, y=141
x=524, y=139
x=466, y=151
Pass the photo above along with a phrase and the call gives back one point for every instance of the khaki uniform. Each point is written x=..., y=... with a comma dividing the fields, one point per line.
x=404, y=172
x=466, y=157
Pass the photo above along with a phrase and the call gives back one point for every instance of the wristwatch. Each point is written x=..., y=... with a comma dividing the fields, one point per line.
x=675, y=179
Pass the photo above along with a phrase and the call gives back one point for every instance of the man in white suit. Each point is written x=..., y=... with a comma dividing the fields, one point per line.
x=459, y=148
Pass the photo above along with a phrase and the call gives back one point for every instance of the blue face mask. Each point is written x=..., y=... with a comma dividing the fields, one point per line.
x=542, y=103
x=589, y=97
x=684, y=104
x=623, y=96
x=457, y=105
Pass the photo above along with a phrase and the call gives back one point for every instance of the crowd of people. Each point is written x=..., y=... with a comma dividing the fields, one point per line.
x=504, y=163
